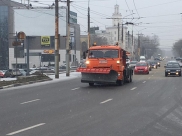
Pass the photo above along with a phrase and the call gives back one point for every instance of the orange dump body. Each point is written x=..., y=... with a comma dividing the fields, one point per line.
x=105, y=64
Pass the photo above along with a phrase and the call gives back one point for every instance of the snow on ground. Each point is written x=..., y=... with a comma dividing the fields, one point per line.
x=62, y=77
x=7, y=79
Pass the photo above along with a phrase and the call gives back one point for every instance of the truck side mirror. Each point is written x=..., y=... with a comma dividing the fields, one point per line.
x=84, y=55
x=124, y=55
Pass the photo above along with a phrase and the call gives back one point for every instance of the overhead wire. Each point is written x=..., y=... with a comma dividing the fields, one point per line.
x=136, y=8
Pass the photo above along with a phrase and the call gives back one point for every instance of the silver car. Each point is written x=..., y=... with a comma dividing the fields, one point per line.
x=133, y=64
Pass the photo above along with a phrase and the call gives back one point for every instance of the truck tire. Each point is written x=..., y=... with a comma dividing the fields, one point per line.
x=131, y=78
x=91, y=84
x=120, y=82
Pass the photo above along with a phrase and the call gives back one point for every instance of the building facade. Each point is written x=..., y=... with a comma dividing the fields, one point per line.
x=40, y=53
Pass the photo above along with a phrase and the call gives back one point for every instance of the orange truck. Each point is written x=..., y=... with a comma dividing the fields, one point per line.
x=106, y=64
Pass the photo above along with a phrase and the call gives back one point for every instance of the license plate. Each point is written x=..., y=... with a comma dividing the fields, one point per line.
x=103, y=61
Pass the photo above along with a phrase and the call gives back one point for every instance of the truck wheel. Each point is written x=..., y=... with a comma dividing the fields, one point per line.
x=131, y=78
x=120, y=82
x=91, y=84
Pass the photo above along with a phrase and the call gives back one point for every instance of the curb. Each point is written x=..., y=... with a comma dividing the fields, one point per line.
x=26, y=83
x=59, y=73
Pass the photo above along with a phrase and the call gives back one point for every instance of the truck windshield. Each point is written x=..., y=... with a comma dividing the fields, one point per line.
x=103, y=54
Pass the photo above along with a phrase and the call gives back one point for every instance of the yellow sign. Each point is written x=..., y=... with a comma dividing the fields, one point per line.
x=49, y=51
x=45, y=40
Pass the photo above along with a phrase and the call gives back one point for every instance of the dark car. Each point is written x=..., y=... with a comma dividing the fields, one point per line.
x=158, y=62
x=149, y=65
x=154, y=64
x=172, y=68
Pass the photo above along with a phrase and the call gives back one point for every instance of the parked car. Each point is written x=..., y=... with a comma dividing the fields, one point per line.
x=4, y=73
x=172, y=68
x=15, y=72
x=22, y=72
x=141, y=68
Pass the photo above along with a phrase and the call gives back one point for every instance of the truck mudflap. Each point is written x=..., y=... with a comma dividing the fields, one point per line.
x=102, y=78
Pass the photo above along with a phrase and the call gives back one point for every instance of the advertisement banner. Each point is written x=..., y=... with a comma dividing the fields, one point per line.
x=45, y=40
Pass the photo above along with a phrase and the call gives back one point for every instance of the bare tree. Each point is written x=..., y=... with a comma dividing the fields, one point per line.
x=177, y=48
x=149, y=45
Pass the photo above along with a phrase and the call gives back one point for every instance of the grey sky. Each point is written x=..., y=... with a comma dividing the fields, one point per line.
x=163, y=15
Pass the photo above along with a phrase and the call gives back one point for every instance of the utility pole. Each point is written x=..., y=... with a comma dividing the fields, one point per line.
x=128, y=38
x=138, y=45
x=28, y=42
x=56, y=39
x=68, y=41
x=16, y=51
x=133, y=48
x=28, y=4
x=122, y=33
x=118, y=33
x=88, y=25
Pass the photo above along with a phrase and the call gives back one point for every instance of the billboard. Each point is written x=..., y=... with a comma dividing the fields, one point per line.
x=39, y=22
x=73, y=17
x=45, y=40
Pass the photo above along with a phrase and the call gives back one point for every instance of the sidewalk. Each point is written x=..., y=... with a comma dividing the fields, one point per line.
x=62, y=77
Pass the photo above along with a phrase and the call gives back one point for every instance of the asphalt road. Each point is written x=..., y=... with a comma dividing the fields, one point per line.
x=150, y=106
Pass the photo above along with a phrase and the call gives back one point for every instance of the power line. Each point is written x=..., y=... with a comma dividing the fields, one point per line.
x=136, y=8
x=129, y=9
x=159, y=4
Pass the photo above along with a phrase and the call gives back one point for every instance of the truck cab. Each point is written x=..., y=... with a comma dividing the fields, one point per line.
x=106, y=64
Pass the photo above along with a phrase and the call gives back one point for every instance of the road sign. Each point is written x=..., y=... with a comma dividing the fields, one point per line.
x=21, y=35
x=16, y=43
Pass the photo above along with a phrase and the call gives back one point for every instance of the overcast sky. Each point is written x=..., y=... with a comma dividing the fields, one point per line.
x=159, y=17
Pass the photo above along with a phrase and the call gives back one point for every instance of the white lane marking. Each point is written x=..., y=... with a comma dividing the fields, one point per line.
x=21, y=130
x=149, y=77
x=144, y=81
x=133, y=88
x=30, y=101
x=75, y=88
x=106, y=101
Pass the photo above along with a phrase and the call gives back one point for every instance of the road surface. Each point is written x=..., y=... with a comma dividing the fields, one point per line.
x=150, y=106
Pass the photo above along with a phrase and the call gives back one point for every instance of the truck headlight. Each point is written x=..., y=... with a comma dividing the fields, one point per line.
x=117, y=61
x=87, y=62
